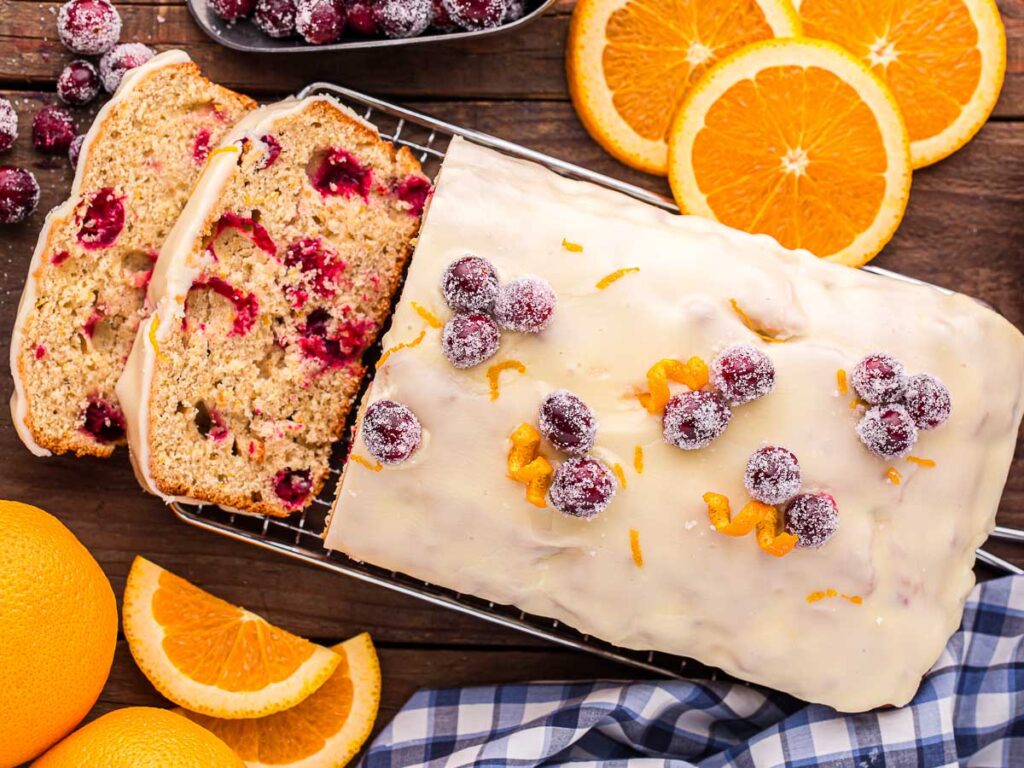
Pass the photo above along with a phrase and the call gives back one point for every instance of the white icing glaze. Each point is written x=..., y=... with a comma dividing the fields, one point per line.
x=451, y=516
x=19, y=404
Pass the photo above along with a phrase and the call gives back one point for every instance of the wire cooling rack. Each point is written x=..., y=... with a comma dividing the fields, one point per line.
x=300, y=536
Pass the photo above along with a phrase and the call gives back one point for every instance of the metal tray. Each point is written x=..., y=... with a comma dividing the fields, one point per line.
x=299, y=536
x=244, y=35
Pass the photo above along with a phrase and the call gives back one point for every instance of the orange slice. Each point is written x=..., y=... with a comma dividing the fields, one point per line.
x=631, y=62
x=212, y=657
x=796, y=139
x=324, y=731
x=943, y=59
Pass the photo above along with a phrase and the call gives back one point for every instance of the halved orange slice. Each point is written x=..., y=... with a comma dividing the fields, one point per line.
x=796, y=139
x=212, y=657
x=324, y=731
x=631, y=62
x=943, y=59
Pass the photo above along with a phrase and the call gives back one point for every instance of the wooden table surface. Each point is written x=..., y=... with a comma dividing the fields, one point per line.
x=964, y=229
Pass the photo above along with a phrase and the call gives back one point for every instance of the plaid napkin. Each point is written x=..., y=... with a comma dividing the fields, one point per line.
x=968, y=712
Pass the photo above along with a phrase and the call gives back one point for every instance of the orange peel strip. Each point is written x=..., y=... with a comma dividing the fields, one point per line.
x=769, y=537
x=373, y=466
x=526, y=466
x=720, y=514
x=154, y=326
x=765, y=334
x=495, y=371
x=893, y=475
x=841, y=382
x=829, y=593
x=693, y=374
x=539, y=467
x=927, y=463
x=634, y=546
x=618, y=274
x=428, y=317
x=404, y=345
x=617, y=469
x=571, y=247
x=537, y=491
x=638, y=459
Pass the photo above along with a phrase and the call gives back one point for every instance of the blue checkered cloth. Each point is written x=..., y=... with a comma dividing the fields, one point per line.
x=968, y=712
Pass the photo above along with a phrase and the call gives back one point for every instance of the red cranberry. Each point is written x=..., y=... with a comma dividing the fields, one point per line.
x=813, y=518
x=469, y=339
x=103, y=220
x=476, y=14
x=8, y=125
x=927, y=401
x=293, y=487
x=247, y=306
x=116, y=62
x=403, y=18
x=742, y=374
x=414, y=191
x=88, y=27
x=19, y=194
x=442, y=21
x=361, y=17
x=568, y=423
x=103, y=420
x=525, y=305
x=320, y=265
x=772, y=475
x=390, y=431
x=75, y=150
x=341, y=173
x=582, y=487
x=276, y=17
x=201, y=147
x=334, y=343
x=693, y=420
x=470, y=284
x=879, y=378
x=273, y=147
x=53, y=130
x=319, y=21
x=249, y=227
x=231, y=10
x=888, y=431
x=79, y=83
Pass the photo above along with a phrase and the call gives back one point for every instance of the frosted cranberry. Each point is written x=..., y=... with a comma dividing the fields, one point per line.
x=53, y=130
x=813, y=518
x=390, y=431
x=88, y=27
x=742, y=374
x=772, y=475
x=273, y=150
x=361, y=17
x=888, y=431
x=927, y=401
x=879, y=378
x=442, y=21
x=19, y=194
x=293, y=487
x=116, y=62
x=525, y=305
x=8, y=125
x=276, y=17
x=320, y=265
x=103, y=421
x=319, y=21
x=403, y=18
x=693, y=420
x=231, y=10
x=103, y=220
x=470, y=284
x=414, y=191
x=334, y=343
x=78, y=83
x=75, y=150
x=476, y=14
x=568, y=423
x=470, y=338
x=516, y=9
x=582, y=487
x=341, y=173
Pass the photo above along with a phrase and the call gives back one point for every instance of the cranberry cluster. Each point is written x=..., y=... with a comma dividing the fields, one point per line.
x=902, y=405
x=483, y=307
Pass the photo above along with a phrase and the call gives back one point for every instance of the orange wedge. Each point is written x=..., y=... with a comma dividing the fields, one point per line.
x=212, y=657
x=943, y=59
x=631, y=62
x=796, y=139
x=324, y=731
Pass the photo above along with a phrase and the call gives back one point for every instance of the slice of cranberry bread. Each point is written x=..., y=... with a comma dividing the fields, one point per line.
x=84, y=296
x=274, y=282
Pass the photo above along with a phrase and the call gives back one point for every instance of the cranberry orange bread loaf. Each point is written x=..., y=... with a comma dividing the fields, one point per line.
x=277, y=277
x=84, y=296
x=675, y=436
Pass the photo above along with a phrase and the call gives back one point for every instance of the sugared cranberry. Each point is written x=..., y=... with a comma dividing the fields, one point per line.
x=53, y=130
x=772, y=475
x=103, y=220
x=320, y=265
x=273, y=147
x=879, y=378
x=470, y=338
x=413, y=191
x=525, y=305
x=319, y=21
x=582, y=487
x=88, y=27
x=742, y=374
x=442, y=22
x=568, y=423
x=119, y=60
x=927, y=401
x=403, y=18
x=476, y=14
x=693, y=420
x=103, y=420
x=19, y=194
x=888, y=431
x=231, y=10
x=78, y=83
x=276, y=17
x=293, y=487
x=361, y=17
x=341, y=173
x=75, y=150
x=470, y=284
x=8, y=125
x=390, y=431
x=334, y=343
x=813, y=518
x=516, y=9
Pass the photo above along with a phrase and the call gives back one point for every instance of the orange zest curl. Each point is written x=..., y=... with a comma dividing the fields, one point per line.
x=765, y=334
x=841, y=382
x=374, y=466
x=525, y=465
x=693, y=374
x=572, y=247
x=617, y=469
x=926, y=463
x=638, y=459
x=403, y=345
x=634, y=546
x=494, y=372
x=428, y=317
x=829, y=593
x=754, y=515
x=607, y=280
x=893, y=475
x=770, y=536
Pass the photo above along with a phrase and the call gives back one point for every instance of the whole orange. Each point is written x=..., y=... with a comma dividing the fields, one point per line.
x=58, y=629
